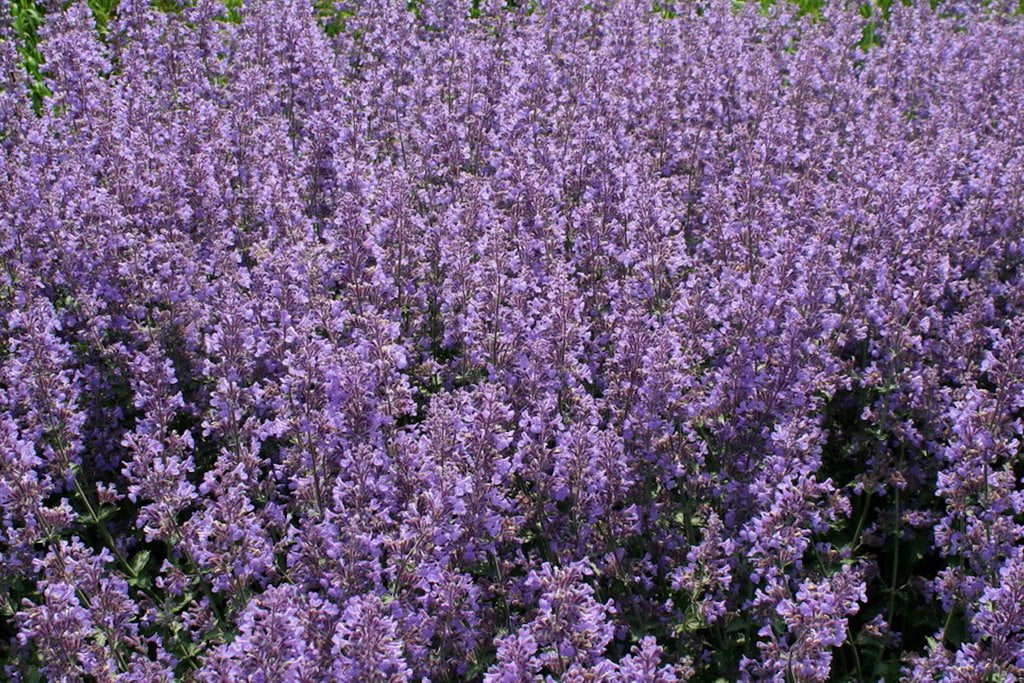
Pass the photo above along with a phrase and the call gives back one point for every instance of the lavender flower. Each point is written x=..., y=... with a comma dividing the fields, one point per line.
x=507, y=341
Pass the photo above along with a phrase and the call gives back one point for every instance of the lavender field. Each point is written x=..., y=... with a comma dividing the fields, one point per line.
x=511, y=342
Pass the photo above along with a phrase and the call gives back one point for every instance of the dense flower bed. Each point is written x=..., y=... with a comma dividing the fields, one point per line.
x=575, y=342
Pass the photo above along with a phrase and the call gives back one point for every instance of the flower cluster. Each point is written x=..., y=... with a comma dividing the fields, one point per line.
x=509, y=342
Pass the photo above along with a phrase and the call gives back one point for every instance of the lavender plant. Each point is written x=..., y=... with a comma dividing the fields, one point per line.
x=511, y=342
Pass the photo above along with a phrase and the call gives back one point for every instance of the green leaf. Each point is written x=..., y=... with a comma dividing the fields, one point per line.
x=142, y=582
x=139, y=562
x=106, y=513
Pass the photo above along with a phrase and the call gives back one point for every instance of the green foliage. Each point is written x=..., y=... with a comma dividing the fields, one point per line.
x=26, y=18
